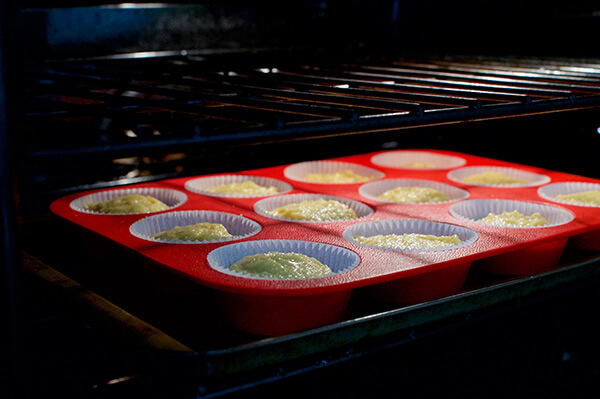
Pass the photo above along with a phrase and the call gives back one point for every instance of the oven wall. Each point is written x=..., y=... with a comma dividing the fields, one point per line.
x=429, y=26
x=208, y=25
x=494, y=27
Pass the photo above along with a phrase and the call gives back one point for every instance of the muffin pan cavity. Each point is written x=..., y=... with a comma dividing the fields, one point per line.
x=171, y=198
x=337, y=172
x=238, y=226
x=266, y=206
x=400, y=227
x=265, y=186
x=497, y=176
x=375, y=189
x=417, y=160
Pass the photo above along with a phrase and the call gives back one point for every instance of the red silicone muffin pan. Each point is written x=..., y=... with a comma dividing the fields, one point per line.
x=275, y=307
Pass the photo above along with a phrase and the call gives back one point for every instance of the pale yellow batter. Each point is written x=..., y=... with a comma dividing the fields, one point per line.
x=414, y=195
x=419, y=165
x=344, y=176
x=492, y=178
x=591, y=197
x=194, y=232
x=409, y=241
x=320, y=210
x=248, y=187
x=515, y=218
x=130, y=204
x=281, y=265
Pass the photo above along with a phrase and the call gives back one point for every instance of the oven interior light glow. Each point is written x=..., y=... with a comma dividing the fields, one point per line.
x=145, y=54
x=136, y=5
x=268, y=70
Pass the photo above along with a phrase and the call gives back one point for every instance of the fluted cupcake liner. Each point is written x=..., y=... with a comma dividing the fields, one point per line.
x=299, y=171
x=409, y=159
x=374, y=189
x=264, y=206
x=338, y=259
x=202, y=184
x=529, y=178
x=409, y=226
x=474, y=210
x=238, y=226
x=172, y=198
x=550, y=192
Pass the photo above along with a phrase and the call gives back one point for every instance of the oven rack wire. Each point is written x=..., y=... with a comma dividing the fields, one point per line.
x=182, y=102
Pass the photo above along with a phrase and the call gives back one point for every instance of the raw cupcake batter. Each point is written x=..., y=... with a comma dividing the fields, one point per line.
x=418, y=165
x=195, y=232
x=320, y=210
x=492, y=178
x=414, y=195
x=344, y=176
x=409, y=241
x=248, y=187
x=515, y=218
x=281, y=265
x=129, y=204
x=591, y=197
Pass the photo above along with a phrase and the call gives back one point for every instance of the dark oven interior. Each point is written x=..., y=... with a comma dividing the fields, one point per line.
x=105, y=95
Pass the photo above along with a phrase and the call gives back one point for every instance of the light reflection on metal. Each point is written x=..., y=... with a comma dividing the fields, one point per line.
x=388, y=115
x=130, y=93
x=146, y=54
x=268, y=70
x=135, y=5
x=121, y=379
x=581, y=69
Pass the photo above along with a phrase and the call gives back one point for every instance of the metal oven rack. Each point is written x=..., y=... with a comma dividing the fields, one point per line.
x=117, y=107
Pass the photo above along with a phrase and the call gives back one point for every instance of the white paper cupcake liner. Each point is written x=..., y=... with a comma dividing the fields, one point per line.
x=550, y=191
x=405, y=159
x=338, y=259
x=201, y=184
x=238, y=226
x=374, y=189
x=530, y=178
x=172, y=198
x=473, y=210
x=408, y=226
x=300, y=170
x=264, y=206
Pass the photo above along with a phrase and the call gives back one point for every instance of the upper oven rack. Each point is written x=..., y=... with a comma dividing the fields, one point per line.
x=179, y=102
